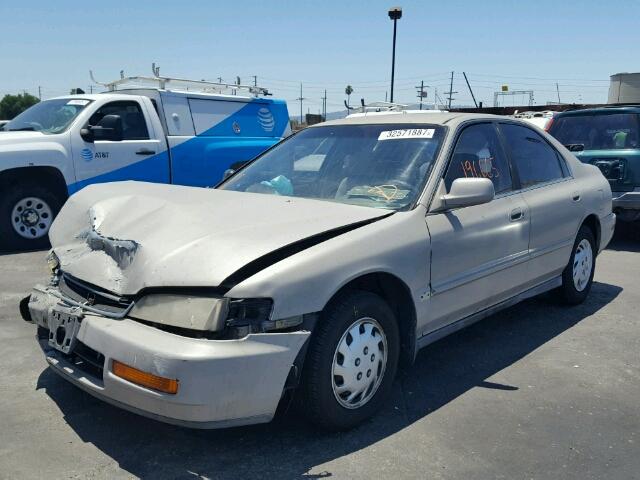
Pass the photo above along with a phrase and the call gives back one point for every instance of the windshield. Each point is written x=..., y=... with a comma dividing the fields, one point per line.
x=597, y=132
x=384, y=166
x=49, y=116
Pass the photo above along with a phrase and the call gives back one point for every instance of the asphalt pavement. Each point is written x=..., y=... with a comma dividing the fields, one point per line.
x=538, y=391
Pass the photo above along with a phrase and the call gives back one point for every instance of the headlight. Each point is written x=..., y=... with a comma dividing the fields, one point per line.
x=183, y=311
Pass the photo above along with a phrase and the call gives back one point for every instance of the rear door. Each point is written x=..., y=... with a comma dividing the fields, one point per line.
x=552, y=197
x=479, y=253
x=140, y=155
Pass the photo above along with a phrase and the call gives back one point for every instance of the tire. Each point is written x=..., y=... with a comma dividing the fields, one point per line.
x=577, y=276
x=325, y=400
x=26, y=213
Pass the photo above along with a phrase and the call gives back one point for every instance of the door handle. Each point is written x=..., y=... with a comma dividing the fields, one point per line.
x=145, y=151
x=575, y=196
x=516, y=214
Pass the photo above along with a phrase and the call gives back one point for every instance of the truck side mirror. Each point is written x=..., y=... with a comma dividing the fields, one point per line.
x=108, y=128
x=86, y=134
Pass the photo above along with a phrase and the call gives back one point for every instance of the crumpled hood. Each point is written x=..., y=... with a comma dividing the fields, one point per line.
x=126, y=236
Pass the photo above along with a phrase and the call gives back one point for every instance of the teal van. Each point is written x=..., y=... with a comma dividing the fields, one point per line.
x=609, y=138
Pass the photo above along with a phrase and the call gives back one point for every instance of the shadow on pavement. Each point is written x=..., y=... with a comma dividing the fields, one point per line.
x=626, y=237
x=288, y=447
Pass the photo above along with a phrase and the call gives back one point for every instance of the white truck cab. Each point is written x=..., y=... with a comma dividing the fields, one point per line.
x=153, y=134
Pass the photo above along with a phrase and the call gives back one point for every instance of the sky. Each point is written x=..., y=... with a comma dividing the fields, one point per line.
x=327, y=44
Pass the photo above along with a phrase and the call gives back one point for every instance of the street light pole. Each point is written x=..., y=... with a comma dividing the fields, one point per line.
x=395, y=13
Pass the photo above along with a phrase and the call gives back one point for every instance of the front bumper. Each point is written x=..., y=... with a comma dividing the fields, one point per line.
x=222, y=383
x=626, y=200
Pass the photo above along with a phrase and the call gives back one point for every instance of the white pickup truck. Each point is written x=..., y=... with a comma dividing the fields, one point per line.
x=161, y=135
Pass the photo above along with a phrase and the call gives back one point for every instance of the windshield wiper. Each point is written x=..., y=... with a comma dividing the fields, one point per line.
x=23, y=129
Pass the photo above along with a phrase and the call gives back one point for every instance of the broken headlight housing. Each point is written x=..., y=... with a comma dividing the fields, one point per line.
x=253, y=315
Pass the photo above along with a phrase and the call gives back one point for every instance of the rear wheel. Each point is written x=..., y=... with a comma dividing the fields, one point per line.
x=577, y=276
x=26, y=213
x=352, y=361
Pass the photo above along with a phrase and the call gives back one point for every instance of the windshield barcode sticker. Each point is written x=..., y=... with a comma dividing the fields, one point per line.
x=406, y=133
x=78, y=101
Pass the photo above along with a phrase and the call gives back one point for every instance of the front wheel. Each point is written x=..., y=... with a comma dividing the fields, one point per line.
x=577, y=276
x=352, y=361
x=26, y=213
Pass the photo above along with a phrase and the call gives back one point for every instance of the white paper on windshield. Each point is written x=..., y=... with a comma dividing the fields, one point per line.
x=406, y=133
x=78, y=101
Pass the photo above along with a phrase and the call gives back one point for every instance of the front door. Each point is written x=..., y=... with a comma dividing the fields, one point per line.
x=138, y=156
x=479, y=253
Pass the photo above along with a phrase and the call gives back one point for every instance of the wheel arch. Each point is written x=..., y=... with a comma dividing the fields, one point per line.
x=593, y=223
x=398, y=295
x=46, y=175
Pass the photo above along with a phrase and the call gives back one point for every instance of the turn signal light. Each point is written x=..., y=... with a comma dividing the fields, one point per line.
x=154, y=382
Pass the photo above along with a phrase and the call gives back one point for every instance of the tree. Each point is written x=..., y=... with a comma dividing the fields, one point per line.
x=13, y=105
x=348, y=91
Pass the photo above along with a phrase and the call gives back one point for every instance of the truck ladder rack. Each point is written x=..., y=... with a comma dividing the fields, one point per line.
x=164, y=82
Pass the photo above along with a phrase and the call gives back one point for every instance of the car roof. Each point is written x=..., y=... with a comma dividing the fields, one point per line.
x=601, y=110
x=442, y=118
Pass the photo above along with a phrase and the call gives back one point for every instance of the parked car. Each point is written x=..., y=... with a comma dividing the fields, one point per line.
x=316, y=268
x=609, y=138
x=539, y=119
x=186, y=137
x=2, y=124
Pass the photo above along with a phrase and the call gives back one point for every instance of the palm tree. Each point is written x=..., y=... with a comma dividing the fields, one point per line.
x=348, y=91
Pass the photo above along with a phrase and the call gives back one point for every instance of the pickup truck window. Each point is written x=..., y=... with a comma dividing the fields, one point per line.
x=49, y=116
x=134, y=125
x=598, y=132
x=382, y=166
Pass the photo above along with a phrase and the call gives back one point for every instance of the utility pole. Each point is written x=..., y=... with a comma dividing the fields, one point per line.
x=421, y=93
x=324, y=106
x=472, y=95
x=255, y=80
x=558, y=90
x=90, y=88
x=40, y=93
x=450, y=92
x=301, y=98
x=395, y=14
x=219, y=79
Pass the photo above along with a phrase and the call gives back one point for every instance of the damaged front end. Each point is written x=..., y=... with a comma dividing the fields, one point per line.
x=187, y=356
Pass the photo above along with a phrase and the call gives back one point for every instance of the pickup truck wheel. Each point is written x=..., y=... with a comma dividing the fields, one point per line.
x=577, y=277
x=26, y=214
x=352, y=361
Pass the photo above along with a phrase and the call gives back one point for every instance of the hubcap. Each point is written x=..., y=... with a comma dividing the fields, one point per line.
x=359, y=363
x=31, y=218
x=582, y=265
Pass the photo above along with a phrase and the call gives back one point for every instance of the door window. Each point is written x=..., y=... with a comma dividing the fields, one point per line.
x=535, y=160
x=134, y=125
x=478, y=154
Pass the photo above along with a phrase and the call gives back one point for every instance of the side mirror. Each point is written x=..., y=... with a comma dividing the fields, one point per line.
x=86, y=134
x=233, y=168
x=466, y=192
x=109, y=128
